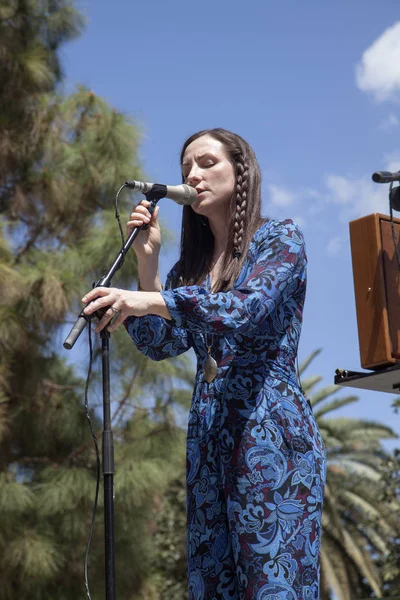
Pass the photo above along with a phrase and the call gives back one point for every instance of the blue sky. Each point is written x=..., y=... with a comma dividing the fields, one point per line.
x=313, y=86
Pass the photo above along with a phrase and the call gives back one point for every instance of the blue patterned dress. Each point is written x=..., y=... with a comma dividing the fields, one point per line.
x=255, y=457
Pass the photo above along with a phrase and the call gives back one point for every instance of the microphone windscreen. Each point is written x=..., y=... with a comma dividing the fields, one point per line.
x=382, y=176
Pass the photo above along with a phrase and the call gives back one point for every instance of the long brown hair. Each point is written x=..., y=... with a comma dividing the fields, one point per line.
x=244, y=218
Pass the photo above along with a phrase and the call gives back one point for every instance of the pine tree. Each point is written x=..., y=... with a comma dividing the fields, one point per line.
x=31, y=32
x=62, y=159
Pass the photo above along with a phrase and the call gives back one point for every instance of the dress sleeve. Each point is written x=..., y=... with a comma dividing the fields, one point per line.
x=156, y=337
x=277, y=272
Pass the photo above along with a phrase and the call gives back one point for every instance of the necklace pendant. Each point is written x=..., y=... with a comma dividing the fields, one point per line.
x=210, y=369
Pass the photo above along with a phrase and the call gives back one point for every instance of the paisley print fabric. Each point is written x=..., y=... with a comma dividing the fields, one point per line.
x=255, y=457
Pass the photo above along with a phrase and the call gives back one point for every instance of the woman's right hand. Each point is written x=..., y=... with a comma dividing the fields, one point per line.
x=147, y=242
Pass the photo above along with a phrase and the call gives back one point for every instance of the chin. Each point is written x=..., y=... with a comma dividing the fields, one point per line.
x=200, y=209
x=209, y=208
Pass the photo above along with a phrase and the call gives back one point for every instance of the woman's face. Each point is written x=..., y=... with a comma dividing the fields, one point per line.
x=207, y=168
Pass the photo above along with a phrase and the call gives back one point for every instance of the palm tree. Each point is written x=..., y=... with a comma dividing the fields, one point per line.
x=359, y=519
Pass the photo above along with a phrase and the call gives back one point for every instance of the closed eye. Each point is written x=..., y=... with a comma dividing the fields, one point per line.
x=205, y=165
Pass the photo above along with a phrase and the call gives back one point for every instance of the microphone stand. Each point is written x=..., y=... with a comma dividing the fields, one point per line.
x=157, y=192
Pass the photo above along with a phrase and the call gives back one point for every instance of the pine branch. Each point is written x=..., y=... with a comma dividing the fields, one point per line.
x=40, y=460
x=51, y=386
x=31, y=242
x=126, y=396
x=98, y=433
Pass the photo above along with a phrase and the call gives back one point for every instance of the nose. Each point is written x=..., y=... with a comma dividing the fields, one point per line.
x=194, y=175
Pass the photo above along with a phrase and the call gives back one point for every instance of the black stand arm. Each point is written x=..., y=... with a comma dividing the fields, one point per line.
x=158, y=191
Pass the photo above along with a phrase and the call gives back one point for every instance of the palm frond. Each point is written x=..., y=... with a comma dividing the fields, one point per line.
x=306, y=363
x=354, y=468
x=362, y=560
x=333, y=405
x=309, y=383
x=334, y=571
x=324, y=393
x=366, y=510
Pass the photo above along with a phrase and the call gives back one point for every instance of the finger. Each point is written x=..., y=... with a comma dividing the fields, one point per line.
x=140, y=209
x=140, y=217
x=117, y=322
x=106, y=318
x=97, y=304
x=97, y=291
x=142, y=206
x=138, y=220
x=144, y=202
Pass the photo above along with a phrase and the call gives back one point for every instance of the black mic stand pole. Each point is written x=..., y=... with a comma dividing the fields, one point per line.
x=108, y=470
x=157, y=192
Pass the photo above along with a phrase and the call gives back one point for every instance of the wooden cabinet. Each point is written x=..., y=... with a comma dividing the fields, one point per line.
x=376, y=273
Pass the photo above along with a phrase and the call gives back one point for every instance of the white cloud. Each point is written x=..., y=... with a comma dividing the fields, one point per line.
x=338, y=199
x=280, y=196
x=356, y=197
x=300, y=204
x=379, y=70
x=334, y=246
x=301, y=221
x=389, y=123
x=343, y=189
x=392, y=162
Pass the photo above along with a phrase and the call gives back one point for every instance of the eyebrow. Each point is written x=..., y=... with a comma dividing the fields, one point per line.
x=185, y=163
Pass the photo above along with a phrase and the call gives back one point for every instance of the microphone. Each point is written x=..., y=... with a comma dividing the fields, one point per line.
x=385, y=176
x=182, y=194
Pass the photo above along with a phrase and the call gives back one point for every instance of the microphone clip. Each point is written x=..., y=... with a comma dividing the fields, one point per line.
x=153, y=194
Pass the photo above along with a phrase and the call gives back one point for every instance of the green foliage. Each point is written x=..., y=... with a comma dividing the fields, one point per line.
x=62, y=159
x=168, y=573
x=16, y=499
x=34, y=556
x=359, y=520
x=31, y=32
x=390, y=563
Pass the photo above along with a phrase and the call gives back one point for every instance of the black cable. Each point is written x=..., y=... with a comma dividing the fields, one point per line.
x=298, y=375
x=117, y=215
x=300, y=384
x=97, y=459
x=396, y=248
